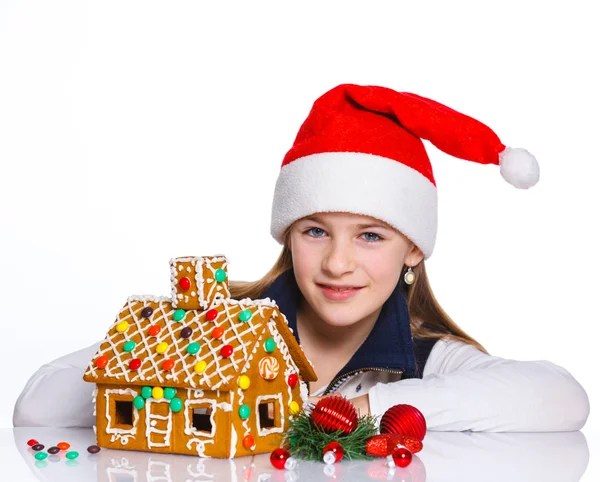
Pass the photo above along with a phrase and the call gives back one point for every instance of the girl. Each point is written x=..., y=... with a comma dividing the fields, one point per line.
x=355, y=208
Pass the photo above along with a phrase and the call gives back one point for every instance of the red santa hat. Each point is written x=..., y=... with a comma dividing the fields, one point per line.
x=360, y=151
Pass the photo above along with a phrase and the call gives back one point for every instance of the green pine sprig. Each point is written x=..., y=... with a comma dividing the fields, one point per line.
x=306, y=441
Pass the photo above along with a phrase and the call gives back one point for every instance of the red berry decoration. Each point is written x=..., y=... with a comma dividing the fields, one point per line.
x=336, y=451
x=248, y=442
x=335, y=413
x=402, y=456
x=279, y=457
x=135, y=364
x=212, y=314
x=185, y=283
x=404, y=420
x=226, y=351
x=102, y=361
x=153, y=330
x=32, y=442
x=168, y=364
x=292, y=380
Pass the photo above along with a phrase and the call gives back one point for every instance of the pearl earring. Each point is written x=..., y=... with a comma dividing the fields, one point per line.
x=409, y=276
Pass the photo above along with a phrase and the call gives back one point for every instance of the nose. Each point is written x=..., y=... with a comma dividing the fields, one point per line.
x=339, y=258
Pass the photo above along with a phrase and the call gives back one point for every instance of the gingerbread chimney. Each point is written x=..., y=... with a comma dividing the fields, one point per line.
x=197, y=281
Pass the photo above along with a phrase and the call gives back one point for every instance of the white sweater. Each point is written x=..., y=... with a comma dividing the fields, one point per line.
x=461, y=389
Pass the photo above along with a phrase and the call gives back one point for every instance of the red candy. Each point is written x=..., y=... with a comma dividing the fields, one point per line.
x=211, y=314
x=63, y=445
x=102, y=361
x=218, y=332
x=248, y=442
x=135, y=364
x=153, y=330
x=402, y=456
x=32, y=442
x=227, y=351
x=168, y=364
x=278, y=458
x=292, y=380
x=185, y=283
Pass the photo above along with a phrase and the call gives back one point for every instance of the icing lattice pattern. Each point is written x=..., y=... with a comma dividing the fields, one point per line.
x=219, y=370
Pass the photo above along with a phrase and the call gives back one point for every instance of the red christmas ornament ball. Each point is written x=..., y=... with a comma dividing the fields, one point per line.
x=336, y=448
x=402, y=456
x=404, y=420
x=278, y=458
x=335, y=413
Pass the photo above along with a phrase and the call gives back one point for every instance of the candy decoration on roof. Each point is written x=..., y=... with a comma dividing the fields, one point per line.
x=268, y=367
x=193, y=348
x=245, y=315
x=200, y=366
x=153, y=330
x=270, y=345
x=220, y=275
x=179, y=315
x=403, y=419
x=162, y=347
x=147, y=312
x=168, y=364
x=129, y=346
x=212, y=314
x=122, y=327
x=186, y=332
x=226, y=351
x=218, y=332
x=101, y=361
x=135, y=364
x=185, y=283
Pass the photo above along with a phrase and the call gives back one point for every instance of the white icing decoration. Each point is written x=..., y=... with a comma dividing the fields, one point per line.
x=119, y=433
x=164, y=433
x=232, y=449
x=276, y=428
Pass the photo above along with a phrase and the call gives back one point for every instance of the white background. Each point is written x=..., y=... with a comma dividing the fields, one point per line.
x=134, y=132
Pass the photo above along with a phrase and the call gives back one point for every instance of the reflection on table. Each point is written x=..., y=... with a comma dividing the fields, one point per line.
x=447, y=456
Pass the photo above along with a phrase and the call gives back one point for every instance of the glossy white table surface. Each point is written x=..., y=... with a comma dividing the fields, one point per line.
x=446, y=456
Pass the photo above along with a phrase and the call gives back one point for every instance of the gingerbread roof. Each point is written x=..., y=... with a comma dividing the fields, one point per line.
x=200, y=338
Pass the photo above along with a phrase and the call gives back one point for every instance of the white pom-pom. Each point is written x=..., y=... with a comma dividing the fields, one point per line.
x=519, y=168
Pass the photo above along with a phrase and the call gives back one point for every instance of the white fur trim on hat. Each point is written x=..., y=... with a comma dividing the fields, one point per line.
x=357, y=183
x=519, y=168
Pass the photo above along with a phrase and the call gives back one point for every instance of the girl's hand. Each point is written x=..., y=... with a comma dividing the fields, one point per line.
x=360, y=403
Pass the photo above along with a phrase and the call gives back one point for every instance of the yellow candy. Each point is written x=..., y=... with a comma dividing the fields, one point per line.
x=243, y=382
x=200, y=366
x=122, y=327
x=162, y=347
x=294, y=408
x=157, y=393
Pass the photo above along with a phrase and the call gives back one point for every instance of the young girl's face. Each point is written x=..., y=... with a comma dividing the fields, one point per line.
x=348, y=249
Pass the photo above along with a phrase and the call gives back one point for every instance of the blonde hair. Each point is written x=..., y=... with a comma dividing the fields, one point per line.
x=427, y=318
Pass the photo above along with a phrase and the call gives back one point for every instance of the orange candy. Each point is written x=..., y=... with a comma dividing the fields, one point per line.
x=168, y=364
x=218, y=332
x=153, y=330
x=63, y=445
x=102, y=361
x=248, y=442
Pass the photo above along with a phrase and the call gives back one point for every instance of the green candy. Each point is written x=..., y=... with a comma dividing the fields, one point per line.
x=193, y=348
x=139, y=402
x=72, y=455
x=179, y=315
x=244, y=412
x=129, y=346
x=245, y=315
x=270, y=345
x=147, y=392
x=220, y=275
x=170, y=393
x=176, y=405
x=41, y=455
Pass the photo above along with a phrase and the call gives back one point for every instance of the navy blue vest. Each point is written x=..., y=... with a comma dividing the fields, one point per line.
x=389, y=346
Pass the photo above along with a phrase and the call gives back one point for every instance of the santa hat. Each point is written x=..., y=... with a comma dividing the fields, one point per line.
x=360, y=151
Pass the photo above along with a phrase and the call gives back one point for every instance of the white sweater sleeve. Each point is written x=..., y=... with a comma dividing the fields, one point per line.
x=465, y=389
x=56, y=395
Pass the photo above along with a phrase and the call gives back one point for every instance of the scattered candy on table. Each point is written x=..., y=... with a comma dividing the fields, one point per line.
x=53, y=450
x=72, y=455
x=37, y=447
x=63, y=445
x=32, y=442
x=41, y=455
x=93, y=449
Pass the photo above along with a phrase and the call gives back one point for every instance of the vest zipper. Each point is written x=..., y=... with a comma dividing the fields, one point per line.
x=345, y=375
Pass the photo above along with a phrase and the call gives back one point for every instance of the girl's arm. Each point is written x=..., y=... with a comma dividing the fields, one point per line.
x=56, y=395
x=465, y=389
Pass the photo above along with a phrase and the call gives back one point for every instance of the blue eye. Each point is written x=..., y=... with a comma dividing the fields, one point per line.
x=374, y=240
x=378, y=237
x=311, y=229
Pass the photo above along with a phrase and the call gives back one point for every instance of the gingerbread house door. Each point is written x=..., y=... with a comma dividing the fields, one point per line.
x=159, y=423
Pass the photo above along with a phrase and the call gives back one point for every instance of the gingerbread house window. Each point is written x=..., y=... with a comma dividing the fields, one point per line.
x=269, y=414
x=266, y=414
x=202, y=419
x=124, y=413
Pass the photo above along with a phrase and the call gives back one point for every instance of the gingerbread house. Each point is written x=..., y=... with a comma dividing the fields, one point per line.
x=198, y=373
